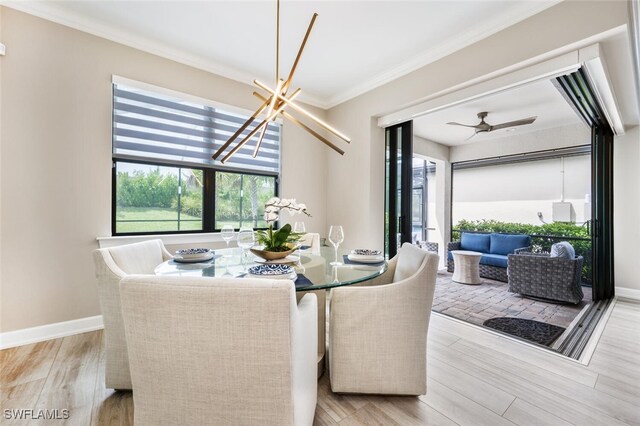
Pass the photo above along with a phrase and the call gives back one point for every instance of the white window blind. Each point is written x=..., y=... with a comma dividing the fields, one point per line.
x=156, y=127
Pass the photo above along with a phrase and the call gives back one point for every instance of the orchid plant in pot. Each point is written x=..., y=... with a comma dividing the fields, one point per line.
x=278, y=244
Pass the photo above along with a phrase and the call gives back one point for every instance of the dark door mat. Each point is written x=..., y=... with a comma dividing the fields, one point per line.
x=534, y=331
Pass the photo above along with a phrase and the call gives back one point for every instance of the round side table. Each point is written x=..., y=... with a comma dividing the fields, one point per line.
x=466, y=267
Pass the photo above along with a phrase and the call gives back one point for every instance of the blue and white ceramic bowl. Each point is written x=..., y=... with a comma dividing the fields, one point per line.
x=366, y=252
x=193, y=253
x=271, y=270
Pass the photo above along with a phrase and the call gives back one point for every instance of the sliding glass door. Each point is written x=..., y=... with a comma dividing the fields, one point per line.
x=398, y=186
x=579, y=93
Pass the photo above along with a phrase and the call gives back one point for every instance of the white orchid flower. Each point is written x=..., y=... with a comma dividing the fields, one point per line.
x=273, y=200
x=270, y=217
x=275, y=204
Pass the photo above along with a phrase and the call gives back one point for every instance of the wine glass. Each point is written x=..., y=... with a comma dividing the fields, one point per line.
x=336, y=237
x=334, y=274
x=222, y=261
x=299, y=228
x=227, y=234
x=246, y=240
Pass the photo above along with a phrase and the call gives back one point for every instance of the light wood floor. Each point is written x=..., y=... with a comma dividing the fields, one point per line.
x=474, y=378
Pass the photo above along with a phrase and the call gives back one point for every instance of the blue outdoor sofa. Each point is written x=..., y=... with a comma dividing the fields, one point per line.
x=495, y=249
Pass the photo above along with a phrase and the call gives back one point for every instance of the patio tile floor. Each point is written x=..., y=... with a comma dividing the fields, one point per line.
x=491, y=299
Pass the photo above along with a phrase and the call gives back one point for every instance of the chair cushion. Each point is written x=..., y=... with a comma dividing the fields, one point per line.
x=563, y=250
x=505, y=244
x=475, y=242
x=498, y=260
x=138, y=258
x=410, y=259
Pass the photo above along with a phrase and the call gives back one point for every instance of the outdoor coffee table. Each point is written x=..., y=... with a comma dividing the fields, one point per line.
x=466, y=266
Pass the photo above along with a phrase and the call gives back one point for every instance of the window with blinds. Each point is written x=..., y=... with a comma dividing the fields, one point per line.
x=155, y=127
x=164, y=180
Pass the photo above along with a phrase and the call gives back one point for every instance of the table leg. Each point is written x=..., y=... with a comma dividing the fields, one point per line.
x=321, y=296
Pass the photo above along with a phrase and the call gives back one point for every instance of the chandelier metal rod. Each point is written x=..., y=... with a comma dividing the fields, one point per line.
x=240, y=130
x=303, y=111
x=277, y=102
x=294, y=120
x=272, y=103
x=259, y=126
x=302, y=46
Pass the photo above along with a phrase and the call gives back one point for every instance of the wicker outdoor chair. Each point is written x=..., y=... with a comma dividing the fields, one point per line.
x=537, y=275
x=426, y=245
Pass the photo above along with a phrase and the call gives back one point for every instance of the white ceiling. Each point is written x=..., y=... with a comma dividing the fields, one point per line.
x=539, y=99
x=355, y=45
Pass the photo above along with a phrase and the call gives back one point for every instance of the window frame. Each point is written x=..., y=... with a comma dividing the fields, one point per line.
x=209, y=171
x=208, y=195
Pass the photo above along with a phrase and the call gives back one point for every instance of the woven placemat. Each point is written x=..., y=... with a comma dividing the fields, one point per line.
x=303, y=281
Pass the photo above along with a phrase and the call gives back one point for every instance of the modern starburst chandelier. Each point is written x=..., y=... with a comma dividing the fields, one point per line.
x=275, y=103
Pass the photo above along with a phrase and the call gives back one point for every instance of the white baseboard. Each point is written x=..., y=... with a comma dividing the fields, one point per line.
x=628, y=293
x=41, y=333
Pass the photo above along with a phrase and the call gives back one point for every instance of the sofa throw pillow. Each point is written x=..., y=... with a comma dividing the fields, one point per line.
x=563, y=250
x=475, y=242
x=506, y=244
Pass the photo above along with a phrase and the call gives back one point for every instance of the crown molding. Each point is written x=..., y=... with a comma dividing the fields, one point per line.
x=49, y=12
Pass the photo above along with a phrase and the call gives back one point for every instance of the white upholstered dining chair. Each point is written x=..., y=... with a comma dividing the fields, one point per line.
x=378, y=331
x=113, y=264
x=211, y=351
x=312, y=240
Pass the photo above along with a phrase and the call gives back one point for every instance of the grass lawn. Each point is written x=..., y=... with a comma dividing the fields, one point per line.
x=155, y=219
x=236, y=224
x=166, y=219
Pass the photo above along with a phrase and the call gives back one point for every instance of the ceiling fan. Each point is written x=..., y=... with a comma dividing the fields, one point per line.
x=484, y=127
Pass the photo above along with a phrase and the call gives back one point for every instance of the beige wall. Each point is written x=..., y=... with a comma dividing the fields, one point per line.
x=56, y=160
x=1, y=286
x=517, y=192
x=533, y=186
x=431, y=149
x=626, y=208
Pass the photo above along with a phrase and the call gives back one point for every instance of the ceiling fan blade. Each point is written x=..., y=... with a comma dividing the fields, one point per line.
x=474, y=133
x=453, y=123
x=513, y=123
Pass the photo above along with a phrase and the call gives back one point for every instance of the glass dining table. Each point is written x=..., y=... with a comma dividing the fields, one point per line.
x=314, y=271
